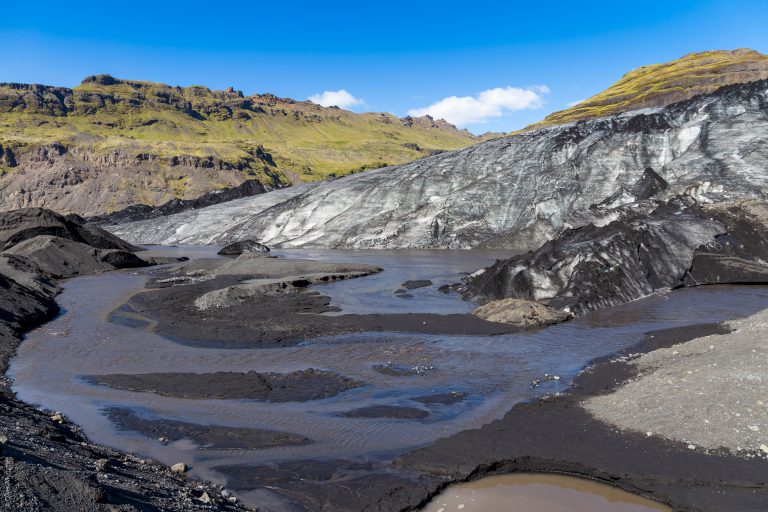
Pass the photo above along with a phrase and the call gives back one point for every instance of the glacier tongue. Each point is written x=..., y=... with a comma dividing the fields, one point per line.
x=521, y=188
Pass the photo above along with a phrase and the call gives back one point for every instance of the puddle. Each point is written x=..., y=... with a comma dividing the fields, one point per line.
x=539, y=493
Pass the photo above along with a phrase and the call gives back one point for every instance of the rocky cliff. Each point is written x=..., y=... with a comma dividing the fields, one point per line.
x=111, y=143
x=517, y=191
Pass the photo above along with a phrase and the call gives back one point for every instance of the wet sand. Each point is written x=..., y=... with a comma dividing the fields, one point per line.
x=214, y=437
x=298, y=386
x=278, y=320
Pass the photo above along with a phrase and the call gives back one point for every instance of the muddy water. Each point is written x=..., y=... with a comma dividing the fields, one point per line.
x=493, y=373
x=538, y=493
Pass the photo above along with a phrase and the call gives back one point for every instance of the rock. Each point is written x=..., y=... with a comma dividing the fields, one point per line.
x=102, y=465
x=205, y=498
x=23, y=307
x=165, y=260
x=3, y=443
x=57, y=417
x=449, y=288
x=764, y=448
x=179, y=467
x=413, y=284
x=515, y=192
x=649, y=185
x=522, y=313
x=238, y=248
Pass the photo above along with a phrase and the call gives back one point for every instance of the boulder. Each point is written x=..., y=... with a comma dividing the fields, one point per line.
x=238, y=248
x=179, y=467
x=522, y=313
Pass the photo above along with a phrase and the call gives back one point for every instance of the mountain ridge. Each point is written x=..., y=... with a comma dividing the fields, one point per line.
x=76, y=149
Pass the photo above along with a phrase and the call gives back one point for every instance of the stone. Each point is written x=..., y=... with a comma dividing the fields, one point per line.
x=205, y=498
x=522, y=313
x=413, y=284
x=57, y=417
x=179, y=467
x=243, y=246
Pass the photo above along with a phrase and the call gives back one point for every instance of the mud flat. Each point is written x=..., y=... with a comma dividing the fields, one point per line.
x=298, y=386
x=214, y=437
x=264, y=303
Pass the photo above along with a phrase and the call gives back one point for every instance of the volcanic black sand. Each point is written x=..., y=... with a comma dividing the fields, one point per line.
x=215, y=437
x=298, y=386
x=279, y=319
x=414, y=284
x=388, y=411
x=550, y=435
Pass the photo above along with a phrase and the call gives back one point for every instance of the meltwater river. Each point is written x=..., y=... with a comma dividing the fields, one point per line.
x=492, y=373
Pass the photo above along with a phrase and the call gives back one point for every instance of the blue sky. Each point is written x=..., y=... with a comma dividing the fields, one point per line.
x=507, y=63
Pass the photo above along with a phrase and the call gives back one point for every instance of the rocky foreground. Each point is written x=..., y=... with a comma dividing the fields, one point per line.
x=45, y=462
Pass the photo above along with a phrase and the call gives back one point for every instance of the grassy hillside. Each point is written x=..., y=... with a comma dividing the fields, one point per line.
x=304, y=141
x=662, y=84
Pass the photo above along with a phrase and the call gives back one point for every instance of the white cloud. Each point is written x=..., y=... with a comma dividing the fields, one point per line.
x=574, y=103
x=340, y=98
x=488, y=104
